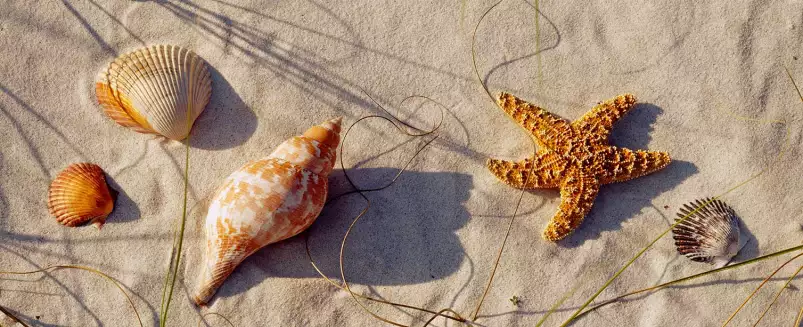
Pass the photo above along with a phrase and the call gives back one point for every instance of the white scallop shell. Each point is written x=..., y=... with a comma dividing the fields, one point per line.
x=159, y=89
x=711, y=234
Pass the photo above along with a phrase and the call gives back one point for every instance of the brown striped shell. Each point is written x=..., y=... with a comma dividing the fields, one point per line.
x=159, y=89
x=710, y=234
x=79, y=194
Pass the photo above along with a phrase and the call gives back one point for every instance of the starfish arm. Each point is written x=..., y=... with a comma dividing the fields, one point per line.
x=626, y=164
x=549, y=130
x=546, y=167
x=599, y=121
x=577, y=194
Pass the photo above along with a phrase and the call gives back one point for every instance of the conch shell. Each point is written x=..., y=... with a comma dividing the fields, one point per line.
x=266, y=201
x=79, y=194
x=160, y=89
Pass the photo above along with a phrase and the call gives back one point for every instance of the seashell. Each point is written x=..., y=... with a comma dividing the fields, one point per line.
x=79, y=194
x=266, y=201
x=155, y=89
x=711, y=234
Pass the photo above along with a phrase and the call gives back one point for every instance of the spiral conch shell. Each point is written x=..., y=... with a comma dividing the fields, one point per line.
x=266, y=201
x=79, y=194
x=160, y=89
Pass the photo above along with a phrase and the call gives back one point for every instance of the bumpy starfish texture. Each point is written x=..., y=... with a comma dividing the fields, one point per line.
x=574, y=157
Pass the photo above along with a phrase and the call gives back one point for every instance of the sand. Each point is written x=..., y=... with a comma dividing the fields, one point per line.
x=430, y=239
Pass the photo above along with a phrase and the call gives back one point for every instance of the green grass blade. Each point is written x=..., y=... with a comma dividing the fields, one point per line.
x=763, y=282
x=688, y=278
x=556, y=306
x=172, y=267
x=777, y=295
x=798, y=318
x=777, y=159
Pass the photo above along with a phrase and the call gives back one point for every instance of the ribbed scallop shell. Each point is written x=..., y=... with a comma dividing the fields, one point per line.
x=709, y=235
x=151, y=90
x=79, y=194
x=266, y=201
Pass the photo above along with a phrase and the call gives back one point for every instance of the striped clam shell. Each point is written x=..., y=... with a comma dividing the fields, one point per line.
x=159, y=89
x=711, y=234
x=79, y=194
x=266, y=201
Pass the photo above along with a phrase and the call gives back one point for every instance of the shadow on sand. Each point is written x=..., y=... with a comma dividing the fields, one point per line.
x=619, y=202
x=407, y=236
x=125, y=209
x=226, y=122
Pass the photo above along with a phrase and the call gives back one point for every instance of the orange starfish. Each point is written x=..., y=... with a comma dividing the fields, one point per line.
x=573, y=156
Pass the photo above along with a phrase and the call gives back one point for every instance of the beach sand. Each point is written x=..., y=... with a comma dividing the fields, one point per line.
x=430, y=240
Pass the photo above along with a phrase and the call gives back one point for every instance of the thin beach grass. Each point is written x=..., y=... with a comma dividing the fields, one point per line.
x=398, y=124
x=175, y=257
x=84, y=268
x=581, y=311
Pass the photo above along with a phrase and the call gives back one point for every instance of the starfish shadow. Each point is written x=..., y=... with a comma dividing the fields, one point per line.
x=621, y=201
x=633, y=130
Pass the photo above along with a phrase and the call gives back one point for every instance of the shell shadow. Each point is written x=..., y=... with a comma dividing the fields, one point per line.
x=226, y=122
x=750, y=249
x=407, y=236
x=125, y=209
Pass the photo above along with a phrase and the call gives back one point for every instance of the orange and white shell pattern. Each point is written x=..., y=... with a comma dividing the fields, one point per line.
x=266, y=201
x=160, y=89
x=79, y=194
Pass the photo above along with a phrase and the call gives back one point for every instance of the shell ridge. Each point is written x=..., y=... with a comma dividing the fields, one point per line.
x=204, y=93
x=158, y=74
x=154, y=89
x=176, y=115
x=172, y=75
x=125, y=77
x=79, y=194
x=155, y=100
x=200, y=95
x=126, y=87
x=113, y=107
x=707, y=235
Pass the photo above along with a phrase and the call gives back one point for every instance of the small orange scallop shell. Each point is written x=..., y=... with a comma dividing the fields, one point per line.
x=79, y=194
x=155, y=90
x=266, y=201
